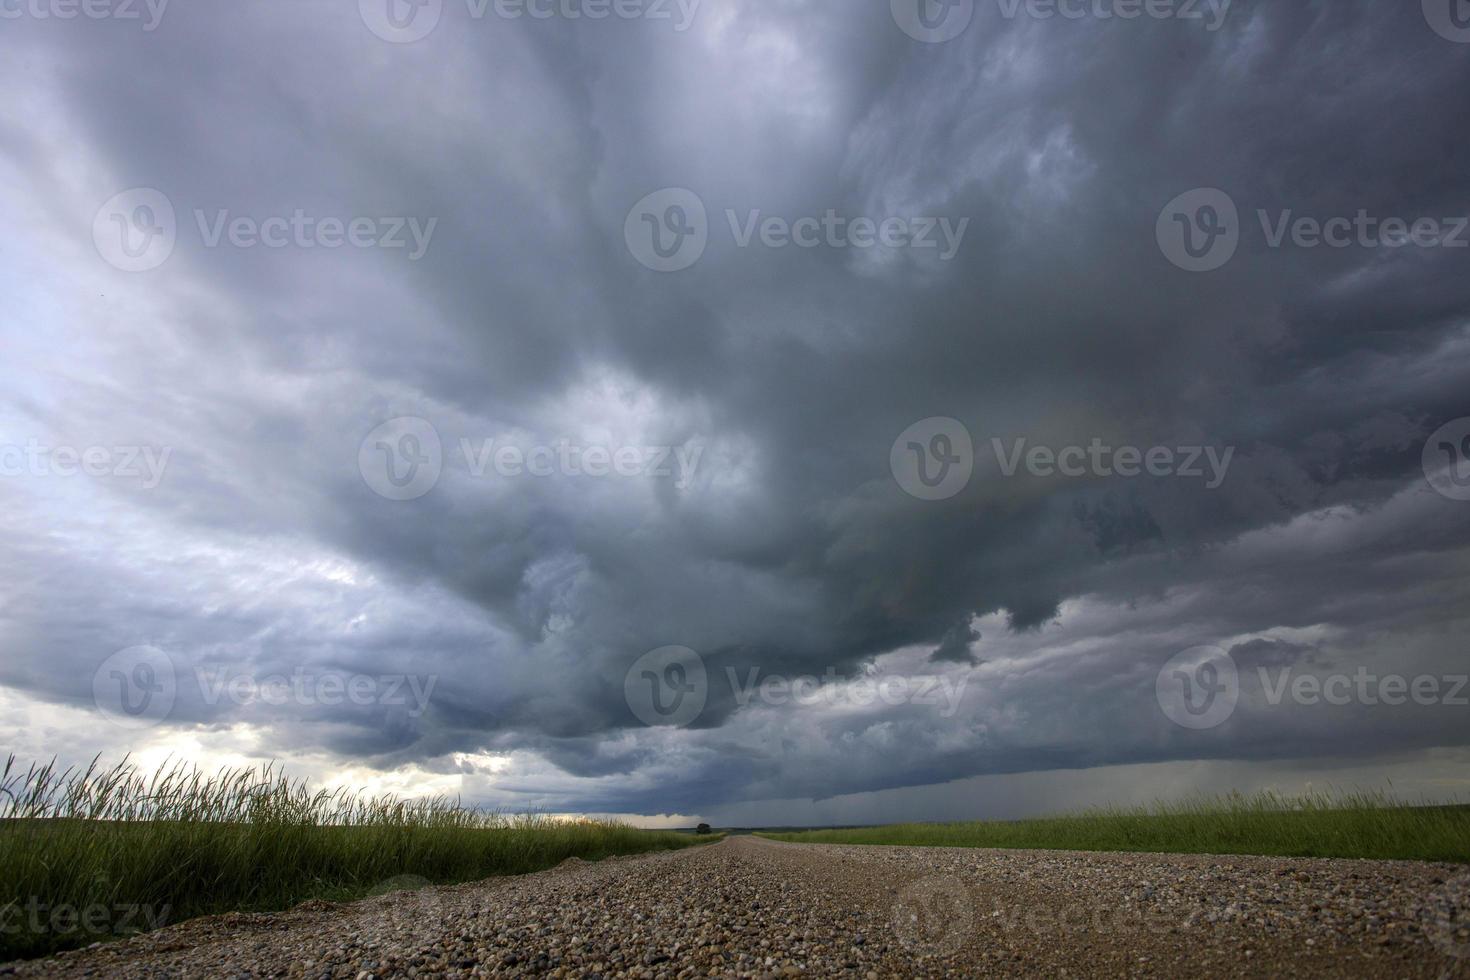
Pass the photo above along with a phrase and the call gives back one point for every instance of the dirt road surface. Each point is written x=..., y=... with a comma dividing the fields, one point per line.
x=747, y=907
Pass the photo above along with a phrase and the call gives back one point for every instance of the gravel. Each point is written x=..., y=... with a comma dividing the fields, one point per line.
x=747, y=907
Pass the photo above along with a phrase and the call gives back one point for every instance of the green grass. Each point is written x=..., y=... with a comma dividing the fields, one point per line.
x=88, y=854
x=1359, y=825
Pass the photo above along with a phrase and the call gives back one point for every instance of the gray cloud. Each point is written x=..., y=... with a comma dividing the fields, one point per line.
x=791, y=550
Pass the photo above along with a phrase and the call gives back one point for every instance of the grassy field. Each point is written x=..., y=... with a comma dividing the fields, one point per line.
x=90, y=854
x=1355, y=825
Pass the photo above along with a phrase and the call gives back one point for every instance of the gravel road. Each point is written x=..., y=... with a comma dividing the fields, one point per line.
x=750, y=907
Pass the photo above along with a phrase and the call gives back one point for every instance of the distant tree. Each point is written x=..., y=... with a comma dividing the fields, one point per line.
x=702, y=829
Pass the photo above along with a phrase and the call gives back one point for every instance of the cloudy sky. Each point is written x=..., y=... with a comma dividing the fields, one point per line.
x=759, y=411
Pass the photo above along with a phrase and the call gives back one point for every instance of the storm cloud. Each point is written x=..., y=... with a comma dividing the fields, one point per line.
x=501, y=356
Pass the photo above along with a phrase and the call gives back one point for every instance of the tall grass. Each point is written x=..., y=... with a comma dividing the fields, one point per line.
x=1359, y=825
x=90, y=852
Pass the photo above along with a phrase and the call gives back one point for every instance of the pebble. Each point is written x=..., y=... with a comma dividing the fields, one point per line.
x=747, y=908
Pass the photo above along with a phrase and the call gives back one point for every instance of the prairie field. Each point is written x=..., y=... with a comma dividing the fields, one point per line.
x=88, y=854
x=1346, y=825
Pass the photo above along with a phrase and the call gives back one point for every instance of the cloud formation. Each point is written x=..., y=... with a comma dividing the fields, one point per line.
x=755, y=514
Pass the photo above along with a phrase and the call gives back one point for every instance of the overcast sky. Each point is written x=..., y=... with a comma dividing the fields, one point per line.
x=489, y=398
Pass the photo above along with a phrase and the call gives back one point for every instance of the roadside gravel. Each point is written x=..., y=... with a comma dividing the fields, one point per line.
x=753, y=908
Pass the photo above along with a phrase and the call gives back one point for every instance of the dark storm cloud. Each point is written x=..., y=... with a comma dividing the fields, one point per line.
x=792, y=550
x=955, y=647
